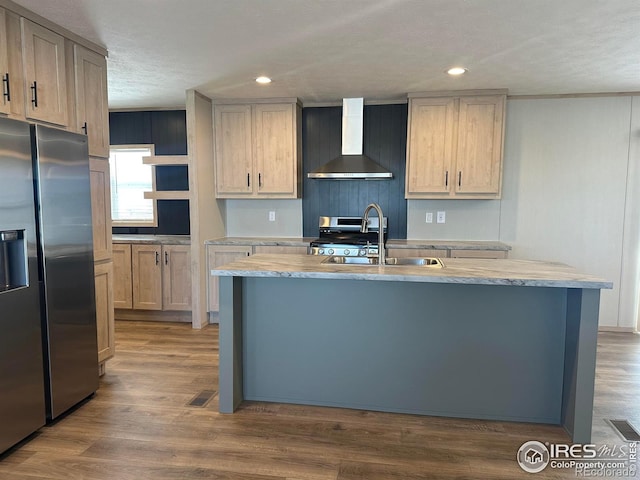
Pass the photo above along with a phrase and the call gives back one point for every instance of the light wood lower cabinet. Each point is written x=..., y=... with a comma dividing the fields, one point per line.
x=122, y=281
x=103, y=273
x=147, y=277
x=152, y=277
x=176, y=277
x=100, y=208
x=218, y=255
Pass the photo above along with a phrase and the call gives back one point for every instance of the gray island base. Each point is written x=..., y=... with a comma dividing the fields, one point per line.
x=412, y=340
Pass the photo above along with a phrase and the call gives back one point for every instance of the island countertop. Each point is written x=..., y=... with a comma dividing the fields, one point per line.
x=456, y=270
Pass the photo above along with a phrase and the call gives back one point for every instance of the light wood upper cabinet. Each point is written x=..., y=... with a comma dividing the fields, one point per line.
x=275, y=149
x=258, y=150
x=122, y=276
x=5, y=106
x=479, y=152
x=234, y=158
x=430, y=145
x=176, y=277
x=104, y=311
x=43, y=60
x=454, y=146
x=147, y=276
x=92, y=111
x=101, y=209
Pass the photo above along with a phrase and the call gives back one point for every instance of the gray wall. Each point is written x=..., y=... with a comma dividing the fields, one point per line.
x=565, y=187
x=250, y=218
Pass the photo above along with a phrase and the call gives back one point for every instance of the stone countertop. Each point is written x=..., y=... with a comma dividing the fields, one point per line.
x=456, y=270
x=153, y=239
x=448, y=244
x=262, y=241
x=392, y=243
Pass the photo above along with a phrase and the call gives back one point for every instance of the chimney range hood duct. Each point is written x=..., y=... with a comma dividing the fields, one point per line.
x=352, y=164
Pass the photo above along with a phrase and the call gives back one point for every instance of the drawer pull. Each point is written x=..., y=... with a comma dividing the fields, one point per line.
x=34, y=94
x=6, y=88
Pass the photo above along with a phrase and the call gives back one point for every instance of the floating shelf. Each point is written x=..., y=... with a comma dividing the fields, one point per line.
x=167, y=195
x=166, y=160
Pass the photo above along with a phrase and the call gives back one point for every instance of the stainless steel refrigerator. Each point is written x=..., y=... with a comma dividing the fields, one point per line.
x=48, y=343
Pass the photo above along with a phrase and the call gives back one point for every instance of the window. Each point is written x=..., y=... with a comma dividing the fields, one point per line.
x=130, y=178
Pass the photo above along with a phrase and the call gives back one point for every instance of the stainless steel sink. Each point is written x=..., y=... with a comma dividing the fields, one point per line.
x=351, y=260
x=425, y=261
x=419, y=261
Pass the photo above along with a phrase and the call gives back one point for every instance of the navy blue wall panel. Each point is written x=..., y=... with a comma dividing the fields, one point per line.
x=167, y=130
x=384, y=141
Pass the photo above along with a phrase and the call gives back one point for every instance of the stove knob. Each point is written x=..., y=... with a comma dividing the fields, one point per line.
x=346, y=251
x=363, y=253
x=321, y=251
x=330, y=251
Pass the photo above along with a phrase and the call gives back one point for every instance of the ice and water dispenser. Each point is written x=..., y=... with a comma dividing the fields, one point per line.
x=13, y=260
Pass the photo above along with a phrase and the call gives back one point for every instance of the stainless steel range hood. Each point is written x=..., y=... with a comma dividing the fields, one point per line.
x=352, y=164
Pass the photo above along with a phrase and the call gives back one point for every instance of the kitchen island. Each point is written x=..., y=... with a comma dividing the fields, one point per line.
x=510, y=340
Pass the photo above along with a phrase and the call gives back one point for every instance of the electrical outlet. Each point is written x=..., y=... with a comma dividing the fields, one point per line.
x=429, y=218
x=272, y=216
x=441, y=217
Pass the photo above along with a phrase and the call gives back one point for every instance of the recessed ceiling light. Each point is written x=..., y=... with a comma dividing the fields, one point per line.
x=263, y=80
x=455, y=71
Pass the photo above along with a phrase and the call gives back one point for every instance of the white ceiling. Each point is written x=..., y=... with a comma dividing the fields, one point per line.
x=323, y=50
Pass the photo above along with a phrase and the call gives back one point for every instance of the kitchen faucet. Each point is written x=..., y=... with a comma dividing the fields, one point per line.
x=365, y=229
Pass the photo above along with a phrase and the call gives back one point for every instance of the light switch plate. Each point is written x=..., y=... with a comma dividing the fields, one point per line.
x=272, y=216
x=441, y=218
x=429, y=217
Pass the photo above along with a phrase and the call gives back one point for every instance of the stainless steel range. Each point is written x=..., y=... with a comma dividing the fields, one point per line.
x=341, y=236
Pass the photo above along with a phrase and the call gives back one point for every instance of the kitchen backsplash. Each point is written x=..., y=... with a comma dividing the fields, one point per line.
x=384, y=141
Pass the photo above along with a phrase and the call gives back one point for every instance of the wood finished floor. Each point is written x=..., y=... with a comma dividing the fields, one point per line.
x=138, y=426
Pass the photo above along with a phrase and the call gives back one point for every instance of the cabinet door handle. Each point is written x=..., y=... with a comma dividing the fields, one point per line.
x=460, y=178
x=259, y=180
x=34, y=94
x=248, y=179
x=166, y=258
x=446, y=178
x=85, y=129
x=6, y=87
x=157, y=258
